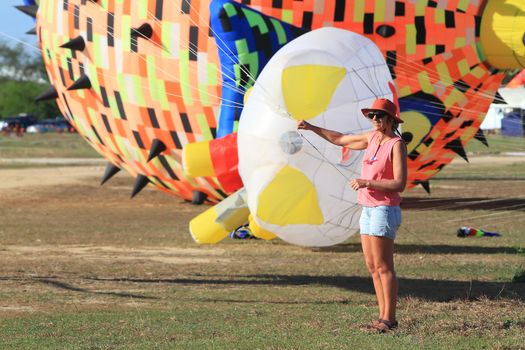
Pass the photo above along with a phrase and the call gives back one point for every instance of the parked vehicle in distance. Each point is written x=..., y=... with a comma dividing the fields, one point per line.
x=59, y=124
x=21, y=121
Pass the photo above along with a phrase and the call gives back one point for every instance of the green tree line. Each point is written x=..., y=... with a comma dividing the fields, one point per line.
x=22, y=78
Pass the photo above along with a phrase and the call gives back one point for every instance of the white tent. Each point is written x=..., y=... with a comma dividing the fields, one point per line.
x=493, y=118
x=514, y=98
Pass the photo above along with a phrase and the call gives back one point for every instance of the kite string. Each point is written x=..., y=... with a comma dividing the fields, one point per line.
x=20, y=41
x=275, y=105
x=167, y=73
x=233, y=103
x=410, y=63
x=228, y=54
x=412, y=79
x=233, y=87
x=241, y=91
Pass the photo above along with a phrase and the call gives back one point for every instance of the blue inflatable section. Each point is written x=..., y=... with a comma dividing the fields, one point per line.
x=428, y=105
x=246, y=40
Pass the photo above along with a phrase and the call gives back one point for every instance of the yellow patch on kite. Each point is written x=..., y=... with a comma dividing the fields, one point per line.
x=260, y=232
x=205, y=230
x=416, y=124
x=501, y=33
x=197, y=159
x=308, y=89
x=291, y=198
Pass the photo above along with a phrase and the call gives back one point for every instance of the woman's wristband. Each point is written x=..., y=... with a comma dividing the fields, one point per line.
x=367, y=184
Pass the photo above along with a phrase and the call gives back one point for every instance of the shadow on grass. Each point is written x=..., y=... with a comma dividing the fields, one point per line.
x=426, y=249
x=426, y=289
x=455, y=203
x=66, y=286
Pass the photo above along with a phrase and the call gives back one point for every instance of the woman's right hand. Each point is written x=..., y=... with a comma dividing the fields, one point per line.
x=303, y=124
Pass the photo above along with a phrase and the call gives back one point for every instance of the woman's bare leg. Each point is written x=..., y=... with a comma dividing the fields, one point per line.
x=383, y=255
x=367, y=243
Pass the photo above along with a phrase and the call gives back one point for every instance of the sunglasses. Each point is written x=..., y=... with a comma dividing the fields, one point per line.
x=378, y=115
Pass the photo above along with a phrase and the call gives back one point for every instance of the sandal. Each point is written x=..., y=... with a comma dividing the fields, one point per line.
x=370, y=327
x=384, y=326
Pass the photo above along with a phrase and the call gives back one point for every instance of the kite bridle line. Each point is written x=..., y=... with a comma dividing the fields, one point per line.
x=236, y=104
x=229, y=54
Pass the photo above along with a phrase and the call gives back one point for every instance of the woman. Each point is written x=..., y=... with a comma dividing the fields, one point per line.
x=383, y=177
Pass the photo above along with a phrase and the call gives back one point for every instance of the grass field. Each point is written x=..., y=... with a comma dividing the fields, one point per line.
x=45, y=145
x=497, y=144
x=85, y=267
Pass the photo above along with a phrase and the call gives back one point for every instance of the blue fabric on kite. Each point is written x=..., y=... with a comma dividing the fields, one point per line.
x=246, y=39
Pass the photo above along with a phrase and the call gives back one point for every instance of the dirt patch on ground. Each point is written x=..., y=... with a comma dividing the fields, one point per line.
x=39, y=177
x=170, y=255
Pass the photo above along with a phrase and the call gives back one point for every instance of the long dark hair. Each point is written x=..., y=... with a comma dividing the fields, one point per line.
x=395, y=126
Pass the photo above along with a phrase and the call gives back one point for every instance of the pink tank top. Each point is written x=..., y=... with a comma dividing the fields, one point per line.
x=377, y=165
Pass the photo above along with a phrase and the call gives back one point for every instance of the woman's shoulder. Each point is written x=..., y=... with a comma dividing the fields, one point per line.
x=395, y=140
x=399, y=144
x=370, y=135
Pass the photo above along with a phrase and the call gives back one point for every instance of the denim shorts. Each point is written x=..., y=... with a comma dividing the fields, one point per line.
x=381, y=221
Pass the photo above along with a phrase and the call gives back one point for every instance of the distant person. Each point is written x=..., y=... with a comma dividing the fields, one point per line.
x=383, y=177
x=19, y=130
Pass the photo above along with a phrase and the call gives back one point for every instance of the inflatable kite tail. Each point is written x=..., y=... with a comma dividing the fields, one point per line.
x=217, y=158
x=219, y=221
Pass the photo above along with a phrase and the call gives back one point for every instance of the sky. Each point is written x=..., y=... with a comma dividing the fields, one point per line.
x=15, y=23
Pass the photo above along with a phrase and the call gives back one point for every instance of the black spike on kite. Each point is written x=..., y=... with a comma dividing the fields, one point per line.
x=110, y=171
x=498, y=99
x=157, y=147
x=81, y=83
x=29, y=10
x=31, y=31
x=480, y=136
x=424, y=184
x=144, y=30
x=198, y=197
x=140, y=182
x=76, y=44
x=49, y=94
x=456, y=146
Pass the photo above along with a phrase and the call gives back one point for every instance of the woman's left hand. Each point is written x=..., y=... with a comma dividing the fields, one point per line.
x=357, y=184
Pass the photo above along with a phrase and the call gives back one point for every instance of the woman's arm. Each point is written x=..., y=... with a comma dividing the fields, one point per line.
x=398, y=184
x=356, y=142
